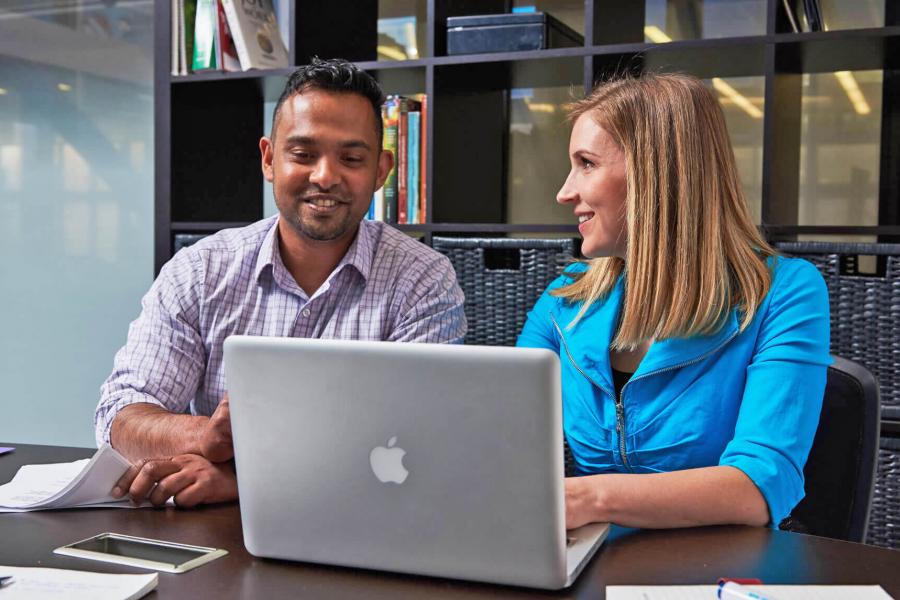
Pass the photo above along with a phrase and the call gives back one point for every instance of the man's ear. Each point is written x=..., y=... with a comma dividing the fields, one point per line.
x=385, y=164
x=267, y=152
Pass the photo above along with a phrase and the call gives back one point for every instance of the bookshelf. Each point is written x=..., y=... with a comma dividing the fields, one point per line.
x=207, y=125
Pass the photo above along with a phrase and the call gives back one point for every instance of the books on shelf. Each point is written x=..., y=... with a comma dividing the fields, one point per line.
x=403, y=198
x=205, y=26
x=804, y=15
x=256, y=35
x=225, y=35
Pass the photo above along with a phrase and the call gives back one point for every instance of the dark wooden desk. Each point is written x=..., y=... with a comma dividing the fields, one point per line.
x=689, y=556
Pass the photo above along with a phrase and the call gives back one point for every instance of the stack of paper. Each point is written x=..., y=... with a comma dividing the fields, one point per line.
x=83, y=483
x=39, y=584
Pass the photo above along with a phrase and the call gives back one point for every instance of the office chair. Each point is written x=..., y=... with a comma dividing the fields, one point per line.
x=840, y=471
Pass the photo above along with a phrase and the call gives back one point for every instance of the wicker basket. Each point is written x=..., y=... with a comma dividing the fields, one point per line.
x=865, y=328
x=884, y=520
x=499, y=295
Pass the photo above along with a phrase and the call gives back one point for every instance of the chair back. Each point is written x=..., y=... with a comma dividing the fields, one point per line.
x=502, y=279
x=840, y=470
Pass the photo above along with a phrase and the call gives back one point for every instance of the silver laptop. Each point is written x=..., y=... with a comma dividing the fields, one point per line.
x=428, y=459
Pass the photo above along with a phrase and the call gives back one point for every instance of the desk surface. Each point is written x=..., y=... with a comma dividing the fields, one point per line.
x=687, y=556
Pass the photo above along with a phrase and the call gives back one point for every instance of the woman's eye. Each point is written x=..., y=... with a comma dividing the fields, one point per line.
x=586, y=163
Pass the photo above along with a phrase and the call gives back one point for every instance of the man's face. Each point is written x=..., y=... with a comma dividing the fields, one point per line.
x=324, y=163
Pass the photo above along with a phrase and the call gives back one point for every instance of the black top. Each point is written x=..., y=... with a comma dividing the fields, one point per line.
x=620, y=378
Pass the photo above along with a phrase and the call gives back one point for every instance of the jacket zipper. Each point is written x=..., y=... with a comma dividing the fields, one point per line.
x=620, y=408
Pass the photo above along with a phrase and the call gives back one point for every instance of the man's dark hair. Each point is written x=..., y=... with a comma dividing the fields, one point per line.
x=333, y=75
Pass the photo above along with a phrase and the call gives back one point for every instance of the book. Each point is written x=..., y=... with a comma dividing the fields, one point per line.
x=256, y=35
x=189, y=9
x=379, y=204
x=391, y=117
x=226, y=54
x=175, y=44
x=412, y=165
x=792, y=18
x=813, y=15
x=204, y=57
x=403, y=107
x=423, y=163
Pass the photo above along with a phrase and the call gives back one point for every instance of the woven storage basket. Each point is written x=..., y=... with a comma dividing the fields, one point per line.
x=865, y=328
x=884, y=521
x=498, y=299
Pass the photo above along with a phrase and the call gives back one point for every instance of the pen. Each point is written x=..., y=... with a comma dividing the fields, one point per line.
x=729, y=590
x=4, y=579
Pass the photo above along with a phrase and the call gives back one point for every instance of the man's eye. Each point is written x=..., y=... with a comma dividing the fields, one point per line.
x=300, y=155
x=353, y=159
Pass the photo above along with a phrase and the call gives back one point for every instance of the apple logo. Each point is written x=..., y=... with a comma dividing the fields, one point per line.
x=387, y=463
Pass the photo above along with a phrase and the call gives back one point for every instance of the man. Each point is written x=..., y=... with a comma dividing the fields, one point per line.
x=316, y=270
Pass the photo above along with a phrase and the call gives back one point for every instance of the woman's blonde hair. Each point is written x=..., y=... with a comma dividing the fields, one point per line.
x=693, y=252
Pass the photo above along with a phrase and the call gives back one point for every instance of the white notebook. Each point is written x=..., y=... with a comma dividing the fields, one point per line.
x=775, y=592
x=31, y=583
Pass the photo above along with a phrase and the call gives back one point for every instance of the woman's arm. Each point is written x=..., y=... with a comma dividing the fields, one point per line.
x=705, y=496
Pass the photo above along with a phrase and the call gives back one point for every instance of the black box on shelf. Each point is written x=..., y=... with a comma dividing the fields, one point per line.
x=473, y=34
x=183, y=240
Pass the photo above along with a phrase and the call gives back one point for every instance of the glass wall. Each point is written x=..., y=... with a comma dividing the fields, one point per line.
x=76, y=205
x=840, y=145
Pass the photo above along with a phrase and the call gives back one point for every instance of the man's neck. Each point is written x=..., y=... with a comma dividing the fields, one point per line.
x=310, y=262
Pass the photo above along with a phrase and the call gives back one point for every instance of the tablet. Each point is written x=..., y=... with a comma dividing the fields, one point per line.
x=141, y=552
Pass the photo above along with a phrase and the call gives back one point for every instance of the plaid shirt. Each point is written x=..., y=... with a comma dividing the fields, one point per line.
x=388, y=286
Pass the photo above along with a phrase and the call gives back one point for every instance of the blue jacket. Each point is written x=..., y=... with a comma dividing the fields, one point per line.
x=747, y=399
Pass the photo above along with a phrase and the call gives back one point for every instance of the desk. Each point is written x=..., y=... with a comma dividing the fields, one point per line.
x=687, y=556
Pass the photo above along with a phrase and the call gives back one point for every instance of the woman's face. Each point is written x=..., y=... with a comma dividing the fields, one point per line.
x=596, y=188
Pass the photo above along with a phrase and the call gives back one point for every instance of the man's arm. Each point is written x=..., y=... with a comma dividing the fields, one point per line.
x=143, y=430
x=433, y=308
x=158, y=370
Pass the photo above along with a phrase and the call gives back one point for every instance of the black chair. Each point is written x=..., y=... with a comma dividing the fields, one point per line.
x=840, y=471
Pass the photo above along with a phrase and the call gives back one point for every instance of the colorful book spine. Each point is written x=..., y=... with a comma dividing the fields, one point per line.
x=423, y=164
x=412, y=167
x=204, y=36
x=403, y=166
x=379, y=204
x=390, y=114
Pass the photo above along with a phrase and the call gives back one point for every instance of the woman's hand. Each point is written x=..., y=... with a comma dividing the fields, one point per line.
x=581, y=501
x=703, y=496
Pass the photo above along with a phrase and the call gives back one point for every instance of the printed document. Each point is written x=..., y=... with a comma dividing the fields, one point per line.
x=80, y=484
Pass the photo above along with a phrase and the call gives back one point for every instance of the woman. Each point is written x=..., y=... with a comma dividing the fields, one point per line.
x=693, y=358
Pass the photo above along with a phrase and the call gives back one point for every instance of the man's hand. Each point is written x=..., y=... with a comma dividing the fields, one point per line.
x=191, y=479
x=215, y=440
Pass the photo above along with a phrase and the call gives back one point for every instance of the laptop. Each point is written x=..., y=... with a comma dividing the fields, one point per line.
x=427, y=459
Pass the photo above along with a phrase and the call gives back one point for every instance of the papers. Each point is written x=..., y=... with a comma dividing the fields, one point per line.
x=775, y=592
x=38, y=584
x=83, y=483
x=5, y=450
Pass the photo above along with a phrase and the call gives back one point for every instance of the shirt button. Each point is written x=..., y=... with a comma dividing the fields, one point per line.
x=305, y=312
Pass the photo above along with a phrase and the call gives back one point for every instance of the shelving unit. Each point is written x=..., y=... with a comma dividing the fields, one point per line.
x=207, y=125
